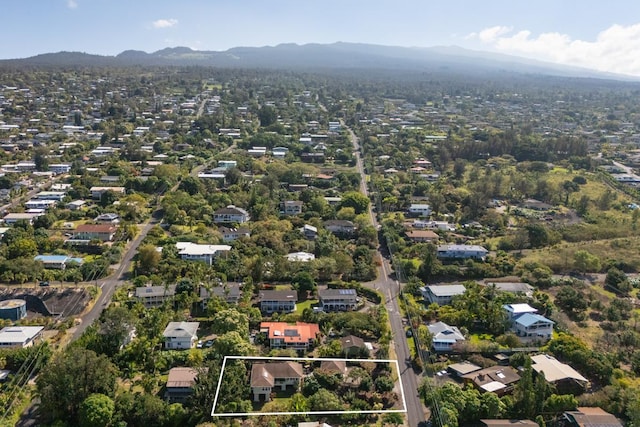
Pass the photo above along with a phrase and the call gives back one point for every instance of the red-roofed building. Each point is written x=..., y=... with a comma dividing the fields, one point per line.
x=300, y=336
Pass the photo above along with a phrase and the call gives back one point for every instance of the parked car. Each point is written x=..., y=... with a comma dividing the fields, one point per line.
x=199, y=344
x=44, y=283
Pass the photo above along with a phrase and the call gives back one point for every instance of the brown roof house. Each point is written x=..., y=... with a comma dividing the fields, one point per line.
x=496, y=379
x=103, y=232
x=180, y=384
x=590, y=417
x=267, y=376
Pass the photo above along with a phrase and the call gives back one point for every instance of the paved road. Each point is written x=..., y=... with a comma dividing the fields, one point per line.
x=416, y=412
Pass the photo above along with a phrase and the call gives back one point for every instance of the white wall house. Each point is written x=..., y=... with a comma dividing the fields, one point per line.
x=230, y=214
x=195, y=252
x=461, y=252
x=533, y=327
x=441, y=294
x=444, y=337
x=420, y=209
x=180, y=335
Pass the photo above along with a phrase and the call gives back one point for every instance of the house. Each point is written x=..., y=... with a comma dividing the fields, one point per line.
x=267, y=376
x=12, y=218
x=313, y=424
x=231, y=234
x=309, y=231
x=57, y=262
x=229, y=292
x=340, y=227
x=76, y=205
x=230, y=214
x=533, y=327
x=300, y=257
x=590, y=417
x=461, y=252
x=516, y=310
x=103, y=232
x=333, y=200
x=338, y=299
x=444, y=337
x=422, y=236
x=180, y=335
x=334, y=367
x=312, y=157
x=20, y=336
x=180, y=384
x=195, y=252
x=107, y=218
x=280, y=152
x=278, y=301
x=441, y=294
x=563, y=376
x=40, y=204
x=351, y=345
x=291, y=207
x=60, y=168
x=495, y=379
x=300, y=336
x=155, y=296
x=419, y=209
x=51, y=195
x=97, y=192
x=462, y=368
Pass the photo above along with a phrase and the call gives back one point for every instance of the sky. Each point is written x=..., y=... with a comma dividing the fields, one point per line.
x=595, y=34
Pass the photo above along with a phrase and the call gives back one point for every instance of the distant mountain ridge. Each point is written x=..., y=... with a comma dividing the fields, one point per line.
x=311, y=56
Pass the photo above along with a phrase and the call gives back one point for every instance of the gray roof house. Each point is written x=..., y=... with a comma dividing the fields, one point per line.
x=180, y=335
x=441, y=294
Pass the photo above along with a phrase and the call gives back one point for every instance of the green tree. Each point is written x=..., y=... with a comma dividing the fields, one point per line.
x=572, y=302
x=356, y=200
x=22, y=248
x=584, y=262
x=96, y=411
x=304, y=282
x=71, y=377
x=392, y=418
x=324, y=400
x=148, y=259
x=617, y=281
x=230, y=320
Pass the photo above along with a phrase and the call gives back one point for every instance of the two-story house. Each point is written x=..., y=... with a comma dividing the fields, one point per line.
x=267, y=376
x=419, y=209
x=231, y=234
x=155, y=296
x=533, y=327
x=180, y=384
x=180, y=335
x=340, y=227
x=338, y=299
x=277, y=301
x=291, y=207
x=230, y=214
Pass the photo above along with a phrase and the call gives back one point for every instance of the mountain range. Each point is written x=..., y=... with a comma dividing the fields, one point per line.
x=319, y=57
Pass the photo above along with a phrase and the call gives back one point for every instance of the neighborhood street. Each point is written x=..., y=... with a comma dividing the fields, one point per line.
x=416, y=412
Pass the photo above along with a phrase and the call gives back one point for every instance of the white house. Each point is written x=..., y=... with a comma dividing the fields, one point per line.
x=444, y=337
x=516, y=310
x=461, y=252
x=51, y=195
x=533, y=327
x=441, y=294
x=180, y=335
x=300, y=257
x=291, y=207
x=420, y=209
x=155, y=296
x=196, y=252
x=231, y=234
x=40, y=204
x=19, y=336
x=230, y=214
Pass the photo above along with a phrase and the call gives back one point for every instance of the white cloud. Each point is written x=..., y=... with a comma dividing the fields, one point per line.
x=72, y=4
x=165, y=23
x=616, y=49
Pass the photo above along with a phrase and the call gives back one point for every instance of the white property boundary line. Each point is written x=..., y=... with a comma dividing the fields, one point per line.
x=310, y=359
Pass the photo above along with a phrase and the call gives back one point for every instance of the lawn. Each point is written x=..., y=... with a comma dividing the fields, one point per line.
x=305, y=304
